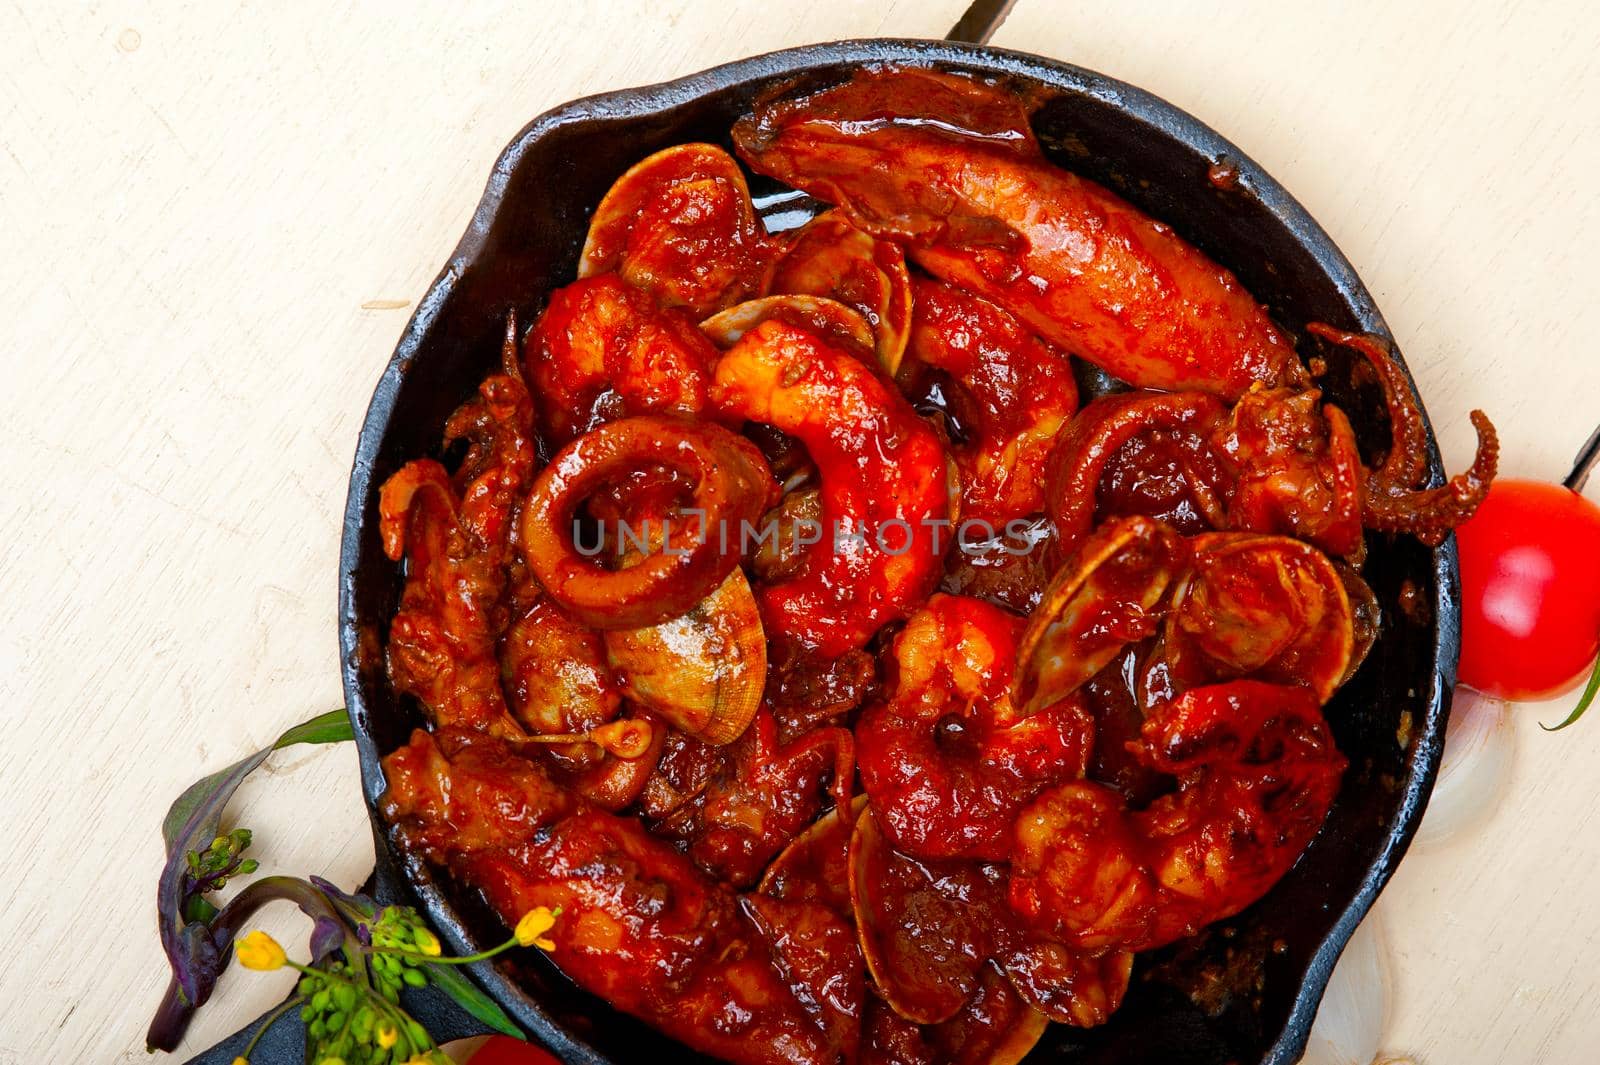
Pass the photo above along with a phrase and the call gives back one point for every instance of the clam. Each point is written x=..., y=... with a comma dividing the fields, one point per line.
x=830, y=257
x=995, y=1027
x=1068, y=986
x=679, y=224
x=1269, y=607
x=704, y=670
x=816, y=863
x=925, y=967
x=828, y=318
x=1109, y=594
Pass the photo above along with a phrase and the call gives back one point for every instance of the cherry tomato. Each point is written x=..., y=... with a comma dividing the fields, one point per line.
x=503, y=1050
x=1530, y=590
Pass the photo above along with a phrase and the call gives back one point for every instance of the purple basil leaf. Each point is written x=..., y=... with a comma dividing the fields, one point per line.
x=327, y=936
x=196, y=955
x=332, y=727
x=355, y=901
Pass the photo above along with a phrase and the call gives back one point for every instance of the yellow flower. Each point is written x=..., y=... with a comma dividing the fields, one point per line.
x=241, y=1061
x=427, y=942
x=331, y=1061
x=533, y=926
x=259, y=951
x=387, y=1034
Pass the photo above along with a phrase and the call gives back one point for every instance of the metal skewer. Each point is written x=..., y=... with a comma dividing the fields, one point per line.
x=1588, y=455
x=978, y=23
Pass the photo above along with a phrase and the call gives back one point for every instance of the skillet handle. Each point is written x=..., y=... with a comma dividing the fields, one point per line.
x=285, y=1042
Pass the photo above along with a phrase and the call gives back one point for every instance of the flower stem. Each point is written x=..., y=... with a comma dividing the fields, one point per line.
x=395, y=1013
x=465, y=959
x=267, y=1022
x=1589, y=693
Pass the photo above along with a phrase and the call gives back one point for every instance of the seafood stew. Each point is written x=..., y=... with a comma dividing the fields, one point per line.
x=691, y=719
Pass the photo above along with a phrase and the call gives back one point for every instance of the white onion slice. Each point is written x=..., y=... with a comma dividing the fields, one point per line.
x=1478, y=750
x=1355, y=1008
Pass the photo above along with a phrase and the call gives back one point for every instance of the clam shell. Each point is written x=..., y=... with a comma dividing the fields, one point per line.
x=1107, y=596
x=680, y=224
x=828, y=318
x=703, y=671
x=830, y=257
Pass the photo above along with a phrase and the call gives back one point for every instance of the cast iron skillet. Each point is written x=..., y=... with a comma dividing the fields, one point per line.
x=1244, y=991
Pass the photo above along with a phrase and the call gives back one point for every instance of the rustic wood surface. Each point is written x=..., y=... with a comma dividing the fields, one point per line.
x=216, y=218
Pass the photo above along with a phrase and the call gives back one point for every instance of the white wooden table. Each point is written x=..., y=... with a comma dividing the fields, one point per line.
x=215, y=220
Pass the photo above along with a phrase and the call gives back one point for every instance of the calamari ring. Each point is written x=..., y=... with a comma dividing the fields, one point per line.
x=884, y=488
x=732, y=487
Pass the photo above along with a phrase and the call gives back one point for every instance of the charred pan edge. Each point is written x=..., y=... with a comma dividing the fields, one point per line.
x=641, y=103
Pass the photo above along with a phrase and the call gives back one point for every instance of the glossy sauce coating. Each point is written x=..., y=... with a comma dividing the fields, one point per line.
x=1009, y=395
x=967, y=188
x=1110, y=737
x=732, y=487
x=604, y=350
x=679, y=225
x=831, y=257
x=653, y=935
x=946, y=758
x=882, y=485
x=1256, y=769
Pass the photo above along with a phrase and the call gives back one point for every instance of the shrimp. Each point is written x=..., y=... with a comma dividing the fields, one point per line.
x=946, y=759
x=605, y=350
x=883, y=489
x=1257, y=770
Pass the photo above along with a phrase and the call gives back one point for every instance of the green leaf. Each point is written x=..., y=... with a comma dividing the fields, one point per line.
x=332, y=727
x=199, y=908
x=475, y=1002
x=1583, y=702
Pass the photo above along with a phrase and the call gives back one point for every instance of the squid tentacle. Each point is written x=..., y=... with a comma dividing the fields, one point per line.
x=1406, y=463
x=1430, y=513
